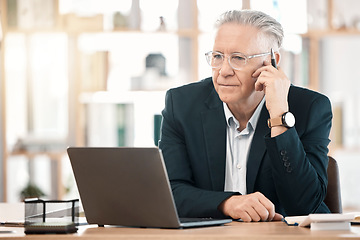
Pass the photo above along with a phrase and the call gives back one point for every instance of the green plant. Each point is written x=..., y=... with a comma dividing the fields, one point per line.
x=31, y=191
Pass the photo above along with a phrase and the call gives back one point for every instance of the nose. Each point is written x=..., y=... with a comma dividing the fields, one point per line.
x=226, y=69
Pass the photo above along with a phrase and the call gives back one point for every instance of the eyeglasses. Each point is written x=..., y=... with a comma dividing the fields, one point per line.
x=236, y=60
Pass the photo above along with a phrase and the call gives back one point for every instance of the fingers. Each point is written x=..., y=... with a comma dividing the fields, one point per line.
x=250, y=215
x=269, y=206
x=252, y=207
x=258, y=207
x=267, y=67
x=264, y=76
x=278, y=217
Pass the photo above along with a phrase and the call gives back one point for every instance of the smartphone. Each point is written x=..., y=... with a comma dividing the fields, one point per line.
x=273, y=60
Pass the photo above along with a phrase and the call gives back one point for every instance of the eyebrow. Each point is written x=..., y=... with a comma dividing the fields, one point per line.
x=230, y=53
x=239, y=53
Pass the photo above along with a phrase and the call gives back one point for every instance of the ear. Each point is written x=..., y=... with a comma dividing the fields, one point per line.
x=277, y=57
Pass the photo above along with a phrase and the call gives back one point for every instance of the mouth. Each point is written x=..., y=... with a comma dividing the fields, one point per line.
x=228, y=85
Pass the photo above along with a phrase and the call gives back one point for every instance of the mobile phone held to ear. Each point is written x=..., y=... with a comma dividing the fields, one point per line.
x=273, y=60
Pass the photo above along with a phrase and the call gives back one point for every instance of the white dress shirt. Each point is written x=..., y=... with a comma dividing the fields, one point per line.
x=237, y=149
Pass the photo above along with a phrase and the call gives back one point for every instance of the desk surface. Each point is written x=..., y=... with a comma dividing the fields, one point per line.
x=234, y=230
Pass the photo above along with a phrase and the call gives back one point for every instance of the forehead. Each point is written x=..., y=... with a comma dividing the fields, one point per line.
x=234, y=37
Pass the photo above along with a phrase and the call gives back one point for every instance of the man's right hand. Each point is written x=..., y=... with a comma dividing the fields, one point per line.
x=252, y=207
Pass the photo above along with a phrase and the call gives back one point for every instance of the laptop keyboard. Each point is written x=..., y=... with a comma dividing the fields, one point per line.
x=187, y=220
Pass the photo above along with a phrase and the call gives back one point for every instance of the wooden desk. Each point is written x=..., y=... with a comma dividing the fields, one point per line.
x=234, y=230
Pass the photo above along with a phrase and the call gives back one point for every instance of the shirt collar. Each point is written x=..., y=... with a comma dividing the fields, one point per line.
x=253, y=120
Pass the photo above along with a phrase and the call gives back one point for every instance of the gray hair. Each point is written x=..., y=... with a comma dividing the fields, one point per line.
x=265, y=23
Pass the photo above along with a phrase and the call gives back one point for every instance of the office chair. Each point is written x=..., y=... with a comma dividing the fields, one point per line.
x=333, y=196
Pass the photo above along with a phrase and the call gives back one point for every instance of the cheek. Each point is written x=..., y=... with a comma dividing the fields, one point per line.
x=256, y=65
x=215, y=75
x=245, y=77
x=246, y=74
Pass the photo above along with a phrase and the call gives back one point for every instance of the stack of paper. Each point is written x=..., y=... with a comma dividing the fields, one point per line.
x=332, y=221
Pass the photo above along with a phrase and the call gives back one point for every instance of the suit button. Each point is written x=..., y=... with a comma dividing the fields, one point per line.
x=286, y=164
x=289, y=169
x=285, y=158
x=283, y=152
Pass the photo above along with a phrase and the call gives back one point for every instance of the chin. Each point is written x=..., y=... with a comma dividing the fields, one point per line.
x=226, y=98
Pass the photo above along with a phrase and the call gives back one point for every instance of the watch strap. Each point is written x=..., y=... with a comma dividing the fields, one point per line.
x=273, y=122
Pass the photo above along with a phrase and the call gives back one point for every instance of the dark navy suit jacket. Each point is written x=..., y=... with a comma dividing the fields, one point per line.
x=289, y=169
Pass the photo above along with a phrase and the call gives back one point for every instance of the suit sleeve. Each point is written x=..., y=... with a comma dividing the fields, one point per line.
x=299, y=163
x=191, y=201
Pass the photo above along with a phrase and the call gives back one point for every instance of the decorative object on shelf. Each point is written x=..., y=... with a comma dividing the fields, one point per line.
x=135, y=15
x=317, y=15
x=356, y=22
x=156, y=61
x=119, y=21
x=32, y=14
x=339, y=22
x=32, y=143
x=162, y=26
x=155, y=76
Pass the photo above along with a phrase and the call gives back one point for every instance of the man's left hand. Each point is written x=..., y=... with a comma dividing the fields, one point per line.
x=275, y=85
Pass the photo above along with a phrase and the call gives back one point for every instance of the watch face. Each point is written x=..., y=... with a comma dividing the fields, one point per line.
x=289, y=119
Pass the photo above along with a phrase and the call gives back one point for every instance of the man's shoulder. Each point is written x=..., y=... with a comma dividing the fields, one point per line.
x=304, y=94
x=193, y=98
x=303, y=98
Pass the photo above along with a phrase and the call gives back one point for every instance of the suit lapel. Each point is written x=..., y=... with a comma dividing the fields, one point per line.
x=257, y=150
x=214, y=127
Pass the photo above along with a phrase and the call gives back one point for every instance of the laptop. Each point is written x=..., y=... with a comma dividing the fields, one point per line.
x=128, y=186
